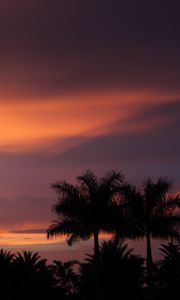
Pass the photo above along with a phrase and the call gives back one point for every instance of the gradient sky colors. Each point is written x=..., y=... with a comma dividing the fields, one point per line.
x=83, y=84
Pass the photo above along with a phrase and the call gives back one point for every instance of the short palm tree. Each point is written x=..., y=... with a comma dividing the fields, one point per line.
x=6, y=258
x=169, y=271
x=84, y=210
x=65, y=275
x=31, y=277
x=120, y=272
x=29, y=260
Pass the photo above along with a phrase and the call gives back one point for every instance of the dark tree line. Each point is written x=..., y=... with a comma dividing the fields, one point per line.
x=122, y=275
x=103, y=205
x=111, y=205
x=27, y=276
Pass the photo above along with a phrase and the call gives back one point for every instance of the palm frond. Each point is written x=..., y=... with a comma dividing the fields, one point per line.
x=73, y=238
x=89, y=182
x=62, y=188
x=59, y=228
x=112, y=179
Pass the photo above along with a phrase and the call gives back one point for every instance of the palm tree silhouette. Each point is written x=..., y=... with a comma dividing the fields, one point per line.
x=154, y=213
x=29, y=260
x=84, y=209
x=169, y=271
x=31, y=277
x=65, y=275
x=121, y=272
x=6, y=258
x=126, y=211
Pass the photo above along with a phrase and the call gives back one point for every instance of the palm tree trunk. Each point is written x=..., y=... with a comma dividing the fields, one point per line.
x=149, y=261
x=96, y=245
x=98, y=293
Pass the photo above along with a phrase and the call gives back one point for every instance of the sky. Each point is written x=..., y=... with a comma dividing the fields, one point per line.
x=83, y=85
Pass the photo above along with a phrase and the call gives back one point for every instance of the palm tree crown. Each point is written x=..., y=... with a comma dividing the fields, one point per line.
x=120, y=272
x=84, y=209
x=65, y=275
x=154, y=211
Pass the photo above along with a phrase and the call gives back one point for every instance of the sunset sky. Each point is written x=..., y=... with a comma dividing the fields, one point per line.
x=83, y=85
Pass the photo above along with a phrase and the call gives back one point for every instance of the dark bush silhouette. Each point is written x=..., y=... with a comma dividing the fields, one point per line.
x=169, y=271
x=32, y=279
x=6, y=277
x=66, y=278
x=120, y=273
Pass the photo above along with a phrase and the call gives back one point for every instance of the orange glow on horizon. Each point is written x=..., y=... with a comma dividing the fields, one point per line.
x=27, y=239
x=10, y=239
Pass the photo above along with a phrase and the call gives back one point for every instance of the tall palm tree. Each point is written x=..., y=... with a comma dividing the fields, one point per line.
x=153, y=212
x=160, y=213
x=84, y=210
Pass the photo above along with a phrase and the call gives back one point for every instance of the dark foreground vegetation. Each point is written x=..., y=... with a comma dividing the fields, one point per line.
x=104, y=205
x=120, y=275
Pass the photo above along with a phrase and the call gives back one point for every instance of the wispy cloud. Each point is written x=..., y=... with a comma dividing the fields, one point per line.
x=30, y=231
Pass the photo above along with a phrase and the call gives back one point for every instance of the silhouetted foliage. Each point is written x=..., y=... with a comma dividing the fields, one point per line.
x=84, y=209
x=27, y=276
x=66, y=277
x=109, y=205
x=151, y=213
x=32, y=279
x=126, y=212
x=6, y=277
x=120, y=273
x=169, y=271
